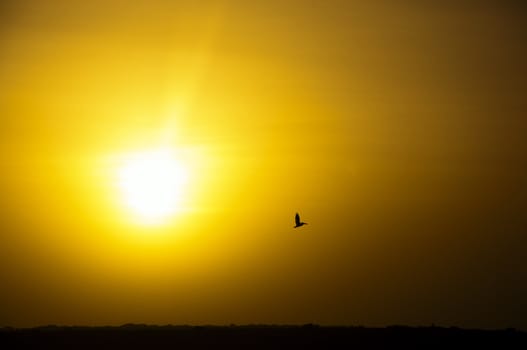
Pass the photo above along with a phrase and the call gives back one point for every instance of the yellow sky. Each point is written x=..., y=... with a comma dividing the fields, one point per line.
x=396, y=130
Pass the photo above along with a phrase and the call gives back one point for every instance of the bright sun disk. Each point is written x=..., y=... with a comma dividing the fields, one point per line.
x=152, y=184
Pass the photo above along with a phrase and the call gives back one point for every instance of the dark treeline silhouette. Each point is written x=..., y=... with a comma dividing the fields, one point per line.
x=138, y=336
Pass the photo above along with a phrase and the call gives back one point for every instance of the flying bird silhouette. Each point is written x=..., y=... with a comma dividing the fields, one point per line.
x=298, y=223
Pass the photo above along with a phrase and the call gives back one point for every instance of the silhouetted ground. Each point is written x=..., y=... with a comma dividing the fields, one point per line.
x=257, y=337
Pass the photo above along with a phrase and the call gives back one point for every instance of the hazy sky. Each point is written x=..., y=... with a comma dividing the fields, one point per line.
x=396, y=128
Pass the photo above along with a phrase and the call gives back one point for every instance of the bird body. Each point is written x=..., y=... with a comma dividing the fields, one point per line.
x=298, y=223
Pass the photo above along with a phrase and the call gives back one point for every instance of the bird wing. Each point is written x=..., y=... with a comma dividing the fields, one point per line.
x=297, y=219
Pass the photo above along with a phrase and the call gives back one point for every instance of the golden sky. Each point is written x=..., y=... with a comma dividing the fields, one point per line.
x=396, y=129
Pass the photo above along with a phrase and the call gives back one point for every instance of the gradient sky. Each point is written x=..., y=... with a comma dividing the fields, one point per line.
x=396, y=128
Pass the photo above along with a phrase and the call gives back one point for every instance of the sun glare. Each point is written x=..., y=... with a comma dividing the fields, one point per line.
x=152, y=184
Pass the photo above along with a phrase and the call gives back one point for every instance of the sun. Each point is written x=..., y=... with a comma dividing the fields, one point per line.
x=153, y=184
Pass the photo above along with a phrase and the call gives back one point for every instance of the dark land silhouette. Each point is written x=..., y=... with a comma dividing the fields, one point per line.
x=139, y=336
